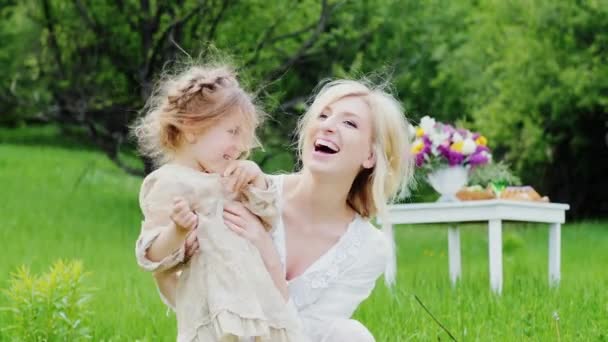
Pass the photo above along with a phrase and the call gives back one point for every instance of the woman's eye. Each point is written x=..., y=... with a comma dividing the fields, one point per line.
x=351, y=123
x=322, y=116
x=233, y=131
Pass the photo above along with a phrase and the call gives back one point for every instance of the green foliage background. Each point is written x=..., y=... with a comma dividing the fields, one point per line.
x=530, y=75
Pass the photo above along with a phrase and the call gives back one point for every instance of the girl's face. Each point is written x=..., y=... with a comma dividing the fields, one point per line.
x=219, y=144
x=339, y=140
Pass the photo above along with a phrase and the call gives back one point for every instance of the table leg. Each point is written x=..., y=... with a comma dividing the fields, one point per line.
x=454, y=254
x=554, y=253
x=495, y=254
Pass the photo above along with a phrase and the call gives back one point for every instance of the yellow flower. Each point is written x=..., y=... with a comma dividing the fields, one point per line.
x=457, y=146
x=419, y=132
x=481, y=140
x=417, y=146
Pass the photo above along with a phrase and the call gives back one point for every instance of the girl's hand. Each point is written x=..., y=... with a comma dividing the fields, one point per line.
x=241, y=221
x=241, y=173
x=191, y=245
x=183, y=216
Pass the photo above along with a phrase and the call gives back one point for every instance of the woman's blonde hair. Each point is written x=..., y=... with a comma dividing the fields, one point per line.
x=373, y=188
x=191, y=101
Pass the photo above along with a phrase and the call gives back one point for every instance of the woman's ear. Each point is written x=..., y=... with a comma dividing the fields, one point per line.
x=370, y=162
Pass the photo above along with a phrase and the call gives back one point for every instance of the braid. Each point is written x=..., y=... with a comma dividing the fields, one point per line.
x=202, y=87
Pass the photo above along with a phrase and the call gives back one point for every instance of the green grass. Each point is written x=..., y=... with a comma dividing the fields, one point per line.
x=67, y=203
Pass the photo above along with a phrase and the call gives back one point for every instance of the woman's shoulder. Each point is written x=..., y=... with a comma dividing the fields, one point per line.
x=373, y=234
x=374, y=243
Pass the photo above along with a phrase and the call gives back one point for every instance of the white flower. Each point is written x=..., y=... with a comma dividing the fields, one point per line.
x=427, y=124
x=438, y=138
x=412, y=130
x=468, y=147
x=457, y=137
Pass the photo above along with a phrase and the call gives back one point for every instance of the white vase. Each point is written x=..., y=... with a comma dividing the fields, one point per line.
x=447, y=181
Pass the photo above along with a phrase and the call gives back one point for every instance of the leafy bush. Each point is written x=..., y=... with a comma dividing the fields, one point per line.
x=49, y=307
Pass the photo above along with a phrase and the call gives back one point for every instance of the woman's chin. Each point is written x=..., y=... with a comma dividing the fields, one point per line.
x=326, y=168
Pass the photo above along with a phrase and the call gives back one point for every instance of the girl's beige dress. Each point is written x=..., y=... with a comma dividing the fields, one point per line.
x=224, y=293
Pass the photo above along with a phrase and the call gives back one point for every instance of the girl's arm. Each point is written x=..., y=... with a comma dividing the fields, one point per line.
x=160, y=242
x=173, y=235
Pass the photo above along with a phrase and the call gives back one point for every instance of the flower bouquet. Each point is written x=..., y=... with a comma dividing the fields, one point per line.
x=447, y=154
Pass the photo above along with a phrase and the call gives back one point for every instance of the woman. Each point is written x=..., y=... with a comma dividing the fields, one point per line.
x=354, y=148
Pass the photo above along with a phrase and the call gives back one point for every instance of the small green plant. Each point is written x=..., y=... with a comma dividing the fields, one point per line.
x=493, y=173
x=49, y=307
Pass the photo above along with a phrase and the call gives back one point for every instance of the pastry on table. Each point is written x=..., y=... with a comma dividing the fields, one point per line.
x=522, y=193
x=475, y=193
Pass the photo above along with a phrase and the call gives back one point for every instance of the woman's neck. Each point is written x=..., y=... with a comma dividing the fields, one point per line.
x=321, y=198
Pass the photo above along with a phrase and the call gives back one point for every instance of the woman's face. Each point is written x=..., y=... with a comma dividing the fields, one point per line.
x=338, y=140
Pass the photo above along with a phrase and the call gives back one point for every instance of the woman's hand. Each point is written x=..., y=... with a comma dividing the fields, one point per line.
x=241, y=221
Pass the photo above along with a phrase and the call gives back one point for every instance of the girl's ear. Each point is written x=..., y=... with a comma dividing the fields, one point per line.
x=370, y=162
x=190, y=137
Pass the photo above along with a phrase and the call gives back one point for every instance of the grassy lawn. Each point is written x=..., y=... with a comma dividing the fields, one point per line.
x=59, y=202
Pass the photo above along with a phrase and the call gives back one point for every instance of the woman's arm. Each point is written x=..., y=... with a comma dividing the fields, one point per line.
x=240, y=220
x=166, y=281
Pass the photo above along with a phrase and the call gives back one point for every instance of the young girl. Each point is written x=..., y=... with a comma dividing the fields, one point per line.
x=197, y=125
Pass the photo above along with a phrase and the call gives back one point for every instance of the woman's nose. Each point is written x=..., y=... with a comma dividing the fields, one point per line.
x=328, y=125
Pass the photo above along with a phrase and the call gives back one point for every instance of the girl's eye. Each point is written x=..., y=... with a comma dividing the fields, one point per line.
x=351, y=123
x=323, y=116
x=233, y=131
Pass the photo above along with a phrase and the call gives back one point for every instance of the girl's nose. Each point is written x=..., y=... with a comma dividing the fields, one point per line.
x=239, y=148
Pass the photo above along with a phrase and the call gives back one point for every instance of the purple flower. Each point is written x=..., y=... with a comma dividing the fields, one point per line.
x=462, y=132
x=455, y=158
x=420, y=159
x=481, y=148
x=478, y=158
x=449, y=129
x=427, y=141
x=444, y=150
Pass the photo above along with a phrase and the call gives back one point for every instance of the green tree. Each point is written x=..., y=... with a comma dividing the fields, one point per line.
x=536, y=79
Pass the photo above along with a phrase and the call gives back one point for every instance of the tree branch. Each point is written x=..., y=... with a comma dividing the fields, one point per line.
x=217, y=19
x=163, y=37
x=266, y=38
x=49, y=22
x=319, y=28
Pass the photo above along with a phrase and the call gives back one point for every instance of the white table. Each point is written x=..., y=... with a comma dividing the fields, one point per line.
x=495, y=212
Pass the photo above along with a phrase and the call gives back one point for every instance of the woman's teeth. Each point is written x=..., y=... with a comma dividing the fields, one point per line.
x=325, y=147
